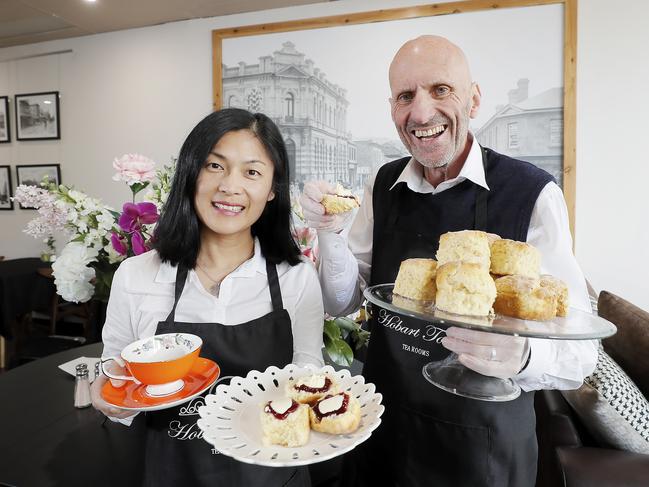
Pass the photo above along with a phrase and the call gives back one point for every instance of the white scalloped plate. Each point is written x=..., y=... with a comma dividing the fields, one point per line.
x=230, y=418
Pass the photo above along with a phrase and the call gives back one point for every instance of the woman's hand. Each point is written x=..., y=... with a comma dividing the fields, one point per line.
x=98, y=402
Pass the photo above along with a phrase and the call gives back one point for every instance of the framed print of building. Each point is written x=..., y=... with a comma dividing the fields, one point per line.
x=324, y=81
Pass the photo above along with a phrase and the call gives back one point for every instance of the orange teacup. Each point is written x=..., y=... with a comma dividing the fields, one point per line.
x=160, y=362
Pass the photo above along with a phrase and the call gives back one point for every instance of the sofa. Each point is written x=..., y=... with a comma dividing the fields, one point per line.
x=598, y=435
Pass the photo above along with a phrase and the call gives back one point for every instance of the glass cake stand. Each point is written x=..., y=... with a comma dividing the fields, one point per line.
x=450, y=375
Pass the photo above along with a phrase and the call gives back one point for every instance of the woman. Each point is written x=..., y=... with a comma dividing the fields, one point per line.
x=225, y=267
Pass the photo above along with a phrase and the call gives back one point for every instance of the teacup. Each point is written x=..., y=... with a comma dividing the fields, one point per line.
x=160, y=362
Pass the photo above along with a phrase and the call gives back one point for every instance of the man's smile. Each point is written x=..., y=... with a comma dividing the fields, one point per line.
x=433, y=132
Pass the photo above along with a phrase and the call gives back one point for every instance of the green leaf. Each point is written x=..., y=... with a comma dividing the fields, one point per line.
x=137, y=187
x=339, y=352
x=346, y=324
x=331, y=330
x=360, y=338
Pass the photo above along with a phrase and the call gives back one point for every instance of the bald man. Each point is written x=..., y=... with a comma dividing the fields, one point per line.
x=429, y=436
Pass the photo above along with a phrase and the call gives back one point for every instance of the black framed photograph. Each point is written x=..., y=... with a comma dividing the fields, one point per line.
x=5, y=132
x=33, y=174
x=37, y=116
x=5, y=189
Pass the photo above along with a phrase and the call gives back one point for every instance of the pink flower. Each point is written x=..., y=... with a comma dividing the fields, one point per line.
x=134, y=215
x=119, y=243
x=134, y=168
x=307, y=239
x=137, y=241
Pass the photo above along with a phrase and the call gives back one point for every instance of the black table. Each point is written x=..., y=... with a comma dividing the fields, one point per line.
x=45, y=441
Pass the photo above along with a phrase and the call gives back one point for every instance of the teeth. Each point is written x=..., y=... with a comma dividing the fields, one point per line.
x=429, y=132
x=235, y=209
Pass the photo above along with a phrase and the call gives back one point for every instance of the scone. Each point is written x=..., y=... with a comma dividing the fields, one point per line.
x=416, y=279
x=492, y=237
x=344, y=200
x=285, y=422
x=524, y=297
x=512, y=257
x=467, y=246
x=465, y=288
x=560, y=289
x=310, y=388
x=337, y=414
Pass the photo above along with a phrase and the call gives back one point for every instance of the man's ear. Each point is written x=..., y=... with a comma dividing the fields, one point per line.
x=390, y=102
x=476, y=97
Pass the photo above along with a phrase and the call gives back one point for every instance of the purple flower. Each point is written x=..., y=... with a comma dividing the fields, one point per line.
x=137, y=241
x=134, y=215
x=119, y=243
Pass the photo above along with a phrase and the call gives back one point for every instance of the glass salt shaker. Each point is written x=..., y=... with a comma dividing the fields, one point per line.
x=82, y=387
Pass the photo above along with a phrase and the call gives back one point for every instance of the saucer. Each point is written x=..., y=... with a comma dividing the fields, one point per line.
x=132, y=396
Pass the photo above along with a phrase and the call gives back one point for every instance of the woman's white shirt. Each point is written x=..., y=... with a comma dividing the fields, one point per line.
x=142, y=295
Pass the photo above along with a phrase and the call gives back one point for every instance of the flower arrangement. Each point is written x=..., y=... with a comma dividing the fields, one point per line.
x=98, y=236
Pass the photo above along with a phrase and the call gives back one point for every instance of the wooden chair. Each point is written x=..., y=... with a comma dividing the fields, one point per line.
x=61, y=308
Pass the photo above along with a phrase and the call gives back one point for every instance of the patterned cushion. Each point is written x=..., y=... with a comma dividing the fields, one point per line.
x=612, y=408
x=628, y=347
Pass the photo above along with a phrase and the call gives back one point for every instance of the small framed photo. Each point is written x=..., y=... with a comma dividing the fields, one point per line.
x=33, y=174
x=5, y=189
x=5, y=132
x=37, y=116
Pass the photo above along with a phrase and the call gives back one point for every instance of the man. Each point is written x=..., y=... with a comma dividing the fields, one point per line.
x=429, y=436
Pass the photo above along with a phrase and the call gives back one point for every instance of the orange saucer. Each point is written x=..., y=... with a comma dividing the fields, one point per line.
x=132, y=396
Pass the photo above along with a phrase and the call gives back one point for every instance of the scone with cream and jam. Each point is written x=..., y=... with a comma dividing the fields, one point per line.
x=310, y=388
x=285, y=422
x=336, y=414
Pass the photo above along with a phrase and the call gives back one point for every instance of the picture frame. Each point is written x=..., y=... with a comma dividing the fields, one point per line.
x=326, y=32
x=6, y=191
x=37, y=116
x=33, y=174
x=5, y=124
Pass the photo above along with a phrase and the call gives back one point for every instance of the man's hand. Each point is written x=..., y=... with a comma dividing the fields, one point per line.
x=489, y=354
x=314, y=212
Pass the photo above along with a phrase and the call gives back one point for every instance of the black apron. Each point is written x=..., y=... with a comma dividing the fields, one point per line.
x=176, y=454
x=429, y=437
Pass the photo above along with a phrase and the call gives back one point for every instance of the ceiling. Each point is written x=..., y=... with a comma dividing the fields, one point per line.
x=29, y=21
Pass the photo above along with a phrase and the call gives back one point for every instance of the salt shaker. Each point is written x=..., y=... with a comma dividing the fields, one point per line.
x=82, y=387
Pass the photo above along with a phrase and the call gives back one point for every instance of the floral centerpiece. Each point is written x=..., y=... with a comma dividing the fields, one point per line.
x=99, y=237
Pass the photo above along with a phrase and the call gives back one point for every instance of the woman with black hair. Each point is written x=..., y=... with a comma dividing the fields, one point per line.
x=225, y=267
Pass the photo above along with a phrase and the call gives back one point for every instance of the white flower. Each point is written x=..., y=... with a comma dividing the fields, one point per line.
x=72, y=275
x=112, y=254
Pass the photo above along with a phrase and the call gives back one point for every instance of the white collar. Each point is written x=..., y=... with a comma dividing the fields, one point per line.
x=257, y=264
x=413, y=173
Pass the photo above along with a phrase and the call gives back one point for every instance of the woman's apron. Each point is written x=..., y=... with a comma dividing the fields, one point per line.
x=176, y=454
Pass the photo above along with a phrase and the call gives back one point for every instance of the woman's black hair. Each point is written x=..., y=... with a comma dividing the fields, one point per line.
x=177, y=234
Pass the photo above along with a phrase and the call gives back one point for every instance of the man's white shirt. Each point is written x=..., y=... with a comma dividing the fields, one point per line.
x=346, y=258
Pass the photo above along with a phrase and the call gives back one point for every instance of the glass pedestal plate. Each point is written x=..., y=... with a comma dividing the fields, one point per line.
x=450, y=375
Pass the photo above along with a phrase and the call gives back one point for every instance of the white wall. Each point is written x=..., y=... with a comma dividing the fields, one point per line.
x=142, y=90
x=612, y=240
